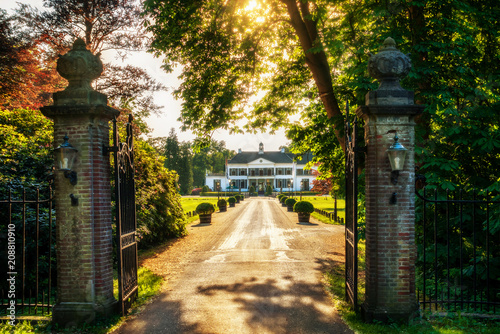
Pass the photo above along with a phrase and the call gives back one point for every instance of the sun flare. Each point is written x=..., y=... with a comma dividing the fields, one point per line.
x=252, y=4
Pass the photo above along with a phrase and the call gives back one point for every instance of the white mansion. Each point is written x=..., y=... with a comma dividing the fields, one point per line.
x=261, y=168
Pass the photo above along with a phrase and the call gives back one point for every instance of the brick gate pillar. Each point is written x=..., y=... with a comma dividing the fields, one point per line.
x=83, y=208
x=390, y=207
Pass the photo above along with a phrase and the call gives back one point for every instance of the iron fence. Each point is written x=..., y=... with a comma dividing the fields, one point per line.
x=458, y=262
x=28, y=257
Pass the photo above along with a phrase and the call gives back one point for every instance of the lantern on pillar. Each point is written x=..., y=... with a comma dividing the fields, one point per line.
x=65, y=158
x=397, y=156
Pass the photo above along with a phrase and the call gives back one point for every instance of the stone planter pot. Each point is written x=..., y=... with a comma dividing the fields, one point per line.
x=304, y=217
x=237, y=200
x=283, y=205
x=232, y=205
x=222, y=208
x=205, y=219
x=289, y=208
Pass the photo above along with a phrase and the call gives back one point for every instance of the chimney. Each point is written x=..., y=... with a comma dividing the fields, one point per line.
x=261, y=148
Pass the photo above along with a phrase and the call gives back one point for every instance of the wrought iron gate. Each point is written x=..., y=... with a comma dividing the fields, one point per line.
x=125, y=217
x=351, y=211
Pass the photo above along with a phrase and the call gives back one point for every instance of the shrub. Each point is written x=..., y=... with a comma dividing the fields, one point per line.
x=290, y=202
x=196, y=191
x=252, y=190
x=159, y=211
x=238, y=197
x=205, y=208
x=303, y=206
x=221, y=202
x=205, y=189
x=283, y=199
x=279, y=197
x=269, y=190
x=231, y=200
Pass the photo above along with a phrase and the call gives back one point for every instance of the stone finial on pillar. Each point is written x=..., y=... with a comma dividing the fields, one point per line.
x=390, y=207
x=83, y=229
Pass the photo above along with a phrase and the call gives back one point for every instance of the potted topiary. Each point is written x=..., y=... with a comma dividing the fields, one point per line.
x=304, y=210
x=283, y=200
x=290, y=203
x=231, y=201
x=238, y=197
x=222, y=204
x=252, y=191
x=205, y=210
x=279, y=197
x=242, y=197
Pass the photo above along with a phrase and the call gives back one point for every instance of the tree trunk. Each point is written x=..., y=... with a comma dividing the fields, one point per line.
x=317, y=61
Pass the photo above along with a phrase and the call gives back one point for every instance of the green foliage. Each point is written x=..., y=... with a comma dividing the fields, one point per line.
x=251, y=190
x=269, y=190
x=25, y=147
x=205, y=189
x=290, y=202
x=221, y=202
x=283, y=199
x=205, y=208
x=303, y=206
x=159, y=211
x=231, y=200
x=238, y=197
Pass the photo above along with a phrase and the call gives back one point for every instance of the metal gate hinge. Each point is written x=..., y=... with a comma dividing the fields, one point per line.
x=108, y=149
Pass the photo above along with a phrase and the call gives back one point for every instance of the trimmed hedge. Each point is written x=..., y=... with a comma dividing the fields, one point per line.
x=205, y=208
x=303, y=206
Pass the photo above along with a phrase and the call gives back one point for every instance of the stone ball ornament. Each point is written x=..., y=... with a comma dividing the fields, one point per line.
x=79, y=66
x=389, y=65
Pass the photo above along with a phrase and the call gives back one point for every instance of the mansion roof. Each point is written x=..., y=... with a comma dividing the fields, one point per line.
x=277, y=157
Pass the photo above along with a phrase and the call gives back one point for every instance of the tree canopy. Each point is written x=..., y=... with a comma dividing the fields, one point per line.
x=266, y=60
x=104, y=25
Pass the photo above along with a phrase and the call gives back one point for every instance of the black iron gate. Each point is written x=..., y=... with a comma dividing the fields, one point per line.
x=27, y=235
x=351, y=211
x=458, y=252
x=125, y=217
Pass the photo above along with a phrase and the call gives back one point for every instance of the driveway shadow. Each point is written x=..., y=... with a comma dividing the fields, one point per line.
x=280, y=306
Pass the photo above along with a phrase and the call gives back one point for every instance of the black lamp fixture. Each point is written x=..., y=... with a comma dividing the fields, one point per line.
x=65, y=158
x=397, y=156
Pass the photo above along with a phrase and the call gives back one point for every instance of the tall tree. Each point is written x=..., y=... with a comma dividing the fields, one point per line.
x=103, y=25
x=27, y=79
x=185, y=168
x=302, y=53
x=229, y=49
x=172, y=151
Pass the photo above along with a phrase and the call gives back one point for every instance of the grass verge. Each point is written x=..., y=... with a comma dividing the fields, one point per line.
x=149, y=286
x=452, y=324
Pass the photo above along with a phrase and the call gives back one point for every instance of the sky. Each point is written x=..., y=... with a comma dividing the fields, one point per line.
x=171, y=107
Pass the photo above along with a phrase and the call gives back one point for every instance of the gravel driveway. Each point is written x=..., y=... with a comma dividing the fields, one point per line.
x=255, y=269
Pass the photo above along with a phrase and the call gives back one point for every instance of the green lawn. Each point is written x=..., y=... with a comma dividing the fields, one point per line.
x=326, y=203
x=190, y=203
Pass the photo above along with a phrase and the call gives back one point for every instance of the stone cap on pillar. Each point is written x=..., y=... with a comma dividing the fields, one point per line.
x=388, y=66
x=80, y=67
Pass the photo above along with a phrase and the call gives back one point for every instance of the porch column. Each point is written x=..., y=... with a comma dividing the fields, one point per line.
x=83, y=208
x=390, y=207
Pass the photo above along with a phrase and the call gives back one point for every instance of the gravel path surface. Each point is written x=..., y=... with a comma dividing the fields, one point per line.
x=255, y=269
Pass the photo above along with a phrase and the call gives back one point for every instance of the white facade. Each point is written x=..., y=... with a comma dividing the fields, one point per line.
x=259, y=169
